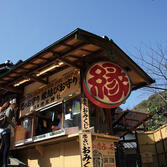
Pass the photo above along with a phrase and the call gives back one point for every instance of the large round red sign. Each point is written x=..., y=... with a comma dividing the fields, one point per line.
x=106, y=84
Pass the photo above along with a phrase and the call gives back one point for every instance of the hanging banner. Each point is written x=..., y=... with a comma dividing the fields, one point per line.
x=103, y=153
x=54, y=92
x=86, y=149
x=85, y=114
x=106, y=84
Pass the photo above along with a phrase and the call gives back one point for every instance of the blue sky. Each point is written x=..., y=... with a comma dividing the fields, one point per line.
x=26, y=27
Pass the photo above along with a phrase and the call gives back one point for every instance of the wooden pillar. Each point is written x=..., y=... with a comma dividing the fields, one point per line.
x=137, y=150
x=85, y=136
x=163, y=144
x=34, y=121
x=112, y=112
x=97, y=120
x=156, y=151
x=63, y=112
x=108, y=120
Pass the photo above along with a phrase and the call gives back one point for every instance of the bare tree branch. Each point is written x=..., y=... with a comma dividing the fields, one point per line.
x=154, y=62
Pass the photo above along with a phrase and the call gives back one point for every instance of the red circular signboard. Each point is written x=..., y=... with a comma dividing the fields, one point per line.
x=106, y=84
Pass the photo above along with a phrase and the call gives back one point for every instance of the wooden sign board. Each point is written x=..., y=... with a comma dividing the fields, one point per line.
x=85, y=124
x=103, y=153
x=107, y=84
x=54, y=92
x=86, y=149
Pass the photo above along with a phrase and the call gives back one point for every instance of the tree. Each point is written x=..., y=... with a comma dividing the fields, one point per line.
x=156, y=107
x=154, y=62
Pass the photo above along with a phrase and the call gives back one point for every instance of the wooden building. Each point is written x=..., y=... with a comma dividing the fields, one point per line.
x=56, y=80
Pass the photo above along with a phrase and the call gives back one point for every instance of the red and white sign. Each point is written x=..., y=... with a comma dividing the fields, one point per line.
x=106, y=84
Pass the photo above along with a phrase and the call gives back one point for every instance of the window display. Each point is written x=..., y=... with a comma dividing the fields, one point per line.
x=58, y=116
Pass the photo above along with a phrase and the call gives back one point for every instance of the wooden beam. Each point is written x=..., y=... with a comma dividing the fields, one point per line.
x=69, y=63
x=71, y=50
x=33, y=64
x=91, y=57
x=11, y=89
x=25, y=69
x=135, y=126
x=57, y=56
x=130, y=119
x=86, y=50
x=75, y=56
x=139, y=85
x=64, y=44
x=121, y=117
x=110, y=45
x=128, y=141
x=40, y=149
x=43, y=58
x=119, y=129
x=38, y=79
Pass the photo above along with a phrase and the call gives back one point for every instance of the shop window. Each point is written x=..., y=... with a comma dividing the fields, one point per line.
x=46, y=118
x=72, y=112
x=51, y=118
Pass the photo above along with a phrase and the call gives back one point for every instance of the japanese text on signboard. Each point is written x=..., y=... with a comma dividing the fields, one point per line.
x=85, y=114
x=107, y=83
x=86, y=149
x=52, y=93
x=106, y=149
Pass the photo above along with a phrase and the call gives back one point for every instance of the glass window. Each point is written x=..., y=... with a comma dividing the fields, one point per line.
x=52, y=118
x=46, y=118
x=73, y=115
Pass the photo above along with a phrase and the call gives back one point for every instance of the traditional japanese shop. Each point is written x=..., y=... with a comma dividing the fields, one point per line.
x=69, y=96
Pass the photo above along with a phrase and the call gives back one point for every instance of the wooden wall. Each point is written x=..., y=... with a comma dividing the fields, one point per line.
x=64, y=154
x=153, y=147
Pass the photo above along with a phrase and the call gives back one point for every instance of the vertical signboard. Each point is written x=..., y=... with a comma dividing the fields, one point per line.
x=85, y=137
x=86, y=149
x=85, y=114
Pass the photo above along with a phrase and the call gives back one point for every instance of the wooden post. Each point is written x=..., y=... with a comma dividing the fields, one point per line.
x=138, y=151
x=107, y=117
x=63, y=112
x=156, y=151
x=85, y=136
x=109, y=120
x=97, y=120
x=33, y=126
x=163, y=144
x=86, y=149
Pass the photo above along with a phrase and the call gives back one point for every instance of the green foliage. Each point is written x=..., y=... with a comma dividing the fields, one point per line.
x=155, y=106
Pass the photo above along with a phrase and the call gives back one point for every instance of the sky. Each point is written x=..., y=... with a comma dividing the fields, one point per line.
x=26, y=27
